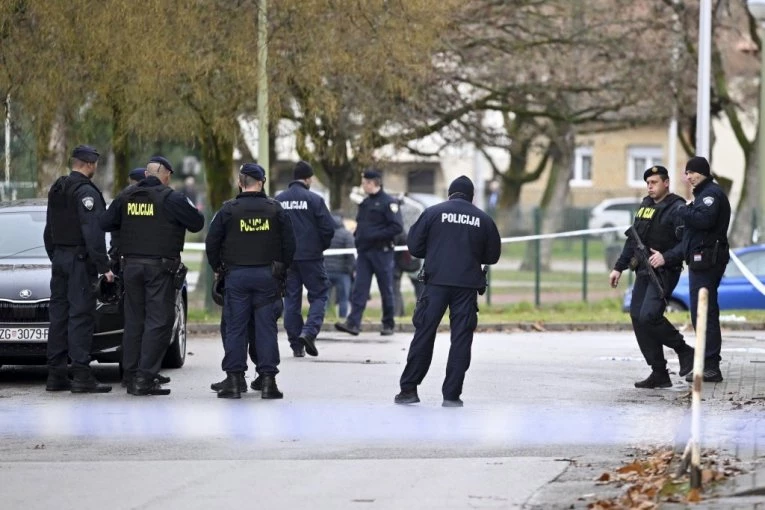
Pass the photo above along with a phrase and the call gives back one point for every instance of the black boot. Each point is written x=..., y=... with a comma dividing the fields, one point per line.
x=711, y=374
x=309, y=344
x=270, y=390
x=219, y=385
x=407, y=397
x=232, y=385
x=257, y=384
x=657, y=379
x=142, y=386
x=58, y=380
x=85, y=382
x=686, y=361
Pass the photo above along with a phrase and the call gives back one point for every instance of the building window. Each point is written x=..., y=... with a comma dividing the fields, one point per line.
x=581, y=172
x=421, y=181
x=640, y=159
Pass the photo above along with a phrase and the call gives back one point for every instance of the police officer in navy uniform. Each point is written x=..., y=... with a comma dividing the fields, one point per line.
x=452, y=281
x=77, y=249
x=136, y=175
x=705, y=249
x=152, y=220
x=252, y=241
x=378, y=221
x=314, y=229
x=658, y=224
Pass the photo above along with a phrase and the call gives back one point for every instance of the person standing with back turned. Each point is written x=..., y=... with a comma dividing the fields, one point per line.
x=451, y=280
x=314, y=230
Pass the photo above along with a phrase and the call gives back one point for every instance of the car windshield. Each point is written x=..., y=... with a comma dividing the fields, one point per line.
x=21, y=234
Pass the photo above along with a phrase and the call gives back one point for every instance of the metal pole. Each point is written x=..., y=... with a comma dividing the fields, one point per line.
x=538, y=257
x=584, y=268
x=703, y=79
x=672, y=131
x=8, y=143
x=263, y=155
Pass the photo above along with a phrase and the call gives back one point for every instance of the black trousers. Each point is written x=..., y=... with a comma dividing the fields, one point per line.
x=149, y=317
x=652, y=329
x=72, y=309
x=463, y=318
x=710, y=279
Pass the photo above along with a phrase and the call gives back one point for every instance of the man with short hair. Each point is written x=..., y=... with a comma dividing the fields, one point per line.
x=251, y=240
x=378, y=221
x=658, y=224
x=152, y=220
x=314, y=230
x=77, y=249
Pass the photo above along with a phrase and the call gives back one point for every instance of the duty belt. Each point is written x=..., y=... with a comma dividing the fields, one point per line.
x=144, y=260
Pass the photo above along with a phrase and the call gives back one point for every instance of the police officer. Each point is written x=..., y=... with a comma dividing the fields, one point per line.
x=705, y=249
x=77, y=250
x=377, y=223
x=252, y=240
x=450, y=281
x=136, y=175
x=657, y=224
x=152, y=220
x=314, y=229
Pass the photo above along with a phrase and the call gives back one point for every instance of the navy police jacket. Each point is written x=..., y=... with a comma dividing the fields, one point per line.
x=706, y=220
x=455, y=238
x=311, y=220
x=377, y=222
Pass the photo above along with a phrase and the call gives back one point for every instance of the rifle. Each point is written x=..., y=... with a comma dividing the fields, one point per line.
x=641, y=252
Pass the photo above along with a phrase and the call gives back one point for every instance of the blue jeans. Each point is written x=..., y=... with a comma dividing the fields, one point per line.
x=341, y=282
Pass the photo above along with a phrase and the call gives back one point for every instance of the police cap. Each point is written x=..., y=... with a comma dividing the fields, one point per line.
x=253, y=170
x=137, y=174
x=85, y=153
x=655, y=170
x=162, y=161
x=371, y=173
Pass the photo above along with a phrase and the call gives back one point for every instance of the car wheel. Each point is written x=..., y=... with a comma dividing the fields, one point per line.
x=673, y=305
x=175, y=356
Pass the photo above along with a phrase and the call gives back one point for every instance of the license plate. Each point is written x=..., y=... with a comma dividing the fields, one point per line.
x=23, y=334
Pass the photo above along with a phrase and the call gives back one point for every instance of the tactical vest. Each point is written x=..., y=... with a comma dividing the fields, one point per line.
x=146, y=229
x=65, y=221
x=254, y=235
x=651, y=226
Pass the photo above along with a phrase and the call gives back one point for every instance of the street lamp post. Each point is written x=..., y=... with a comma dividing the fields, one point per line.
x=757, y=8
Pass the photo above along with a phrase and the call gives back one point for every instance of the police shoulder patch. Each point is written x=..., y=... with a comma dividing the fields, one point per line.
x=394, y=207
x=708, y=201
x=88, y=202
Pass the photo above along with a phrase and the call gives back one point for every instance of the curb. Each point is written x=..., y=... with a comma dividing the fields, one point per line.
x=214, y=328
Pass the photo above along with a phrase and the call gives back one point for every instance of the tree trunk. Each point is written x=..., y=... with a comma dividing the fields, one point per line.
x=51, y=152
x=742, y=229
x=121, y=148
x=218, y=158
x=554, y=200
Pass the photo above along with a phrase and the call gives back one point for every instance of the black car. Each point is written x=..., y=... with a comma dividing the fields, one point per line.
x=25, y=296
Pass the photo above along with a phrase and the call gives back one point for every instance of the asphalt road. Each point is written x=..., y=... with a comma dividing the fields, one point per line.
x=533, y=403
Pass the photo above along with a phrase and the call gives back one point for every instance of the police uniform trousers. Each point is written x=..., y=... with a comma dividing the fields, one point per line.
x=72, y=308
x=149, y=316
x=463, y=317
x=380, y=264
x=312, y=275
x=251, y=295
x=652, y=329
x=709, y=279
x=250, y=338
